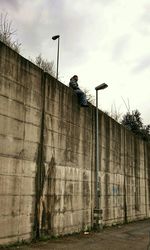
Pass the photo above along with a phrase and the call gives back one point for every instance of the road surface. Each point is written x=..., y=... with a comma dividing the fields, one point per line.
x=135, y=236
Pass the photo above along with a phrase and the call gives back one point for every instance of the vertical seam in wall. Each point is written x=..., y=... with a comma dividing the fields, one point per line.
x=92, y=169
x=21, y=155
x=40, y=161
x=125, y=193
x=145, y=168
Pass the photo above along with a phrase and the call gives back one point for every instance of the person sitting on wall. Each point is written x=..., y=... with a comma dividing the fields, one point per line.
x=81, y=95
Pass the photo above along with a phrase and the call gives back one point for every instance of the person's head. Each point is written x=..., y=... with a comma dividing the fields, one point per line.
x=75, y=77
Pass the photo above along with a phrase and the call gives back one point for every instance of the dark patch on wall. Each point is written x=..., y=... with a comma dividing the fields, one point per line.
x=107, y=163
x=51, y=88
x=40, y=175
x=137, y=173
x=100, y=123
x=107, y=146
x=93, y=187
x=125, y=184
x=7, y=67
x=86, y=188
x=85, y=197
x=146, y=176
x=107, y=195
x=119, y=148
x=51, y=197
x=148, y=170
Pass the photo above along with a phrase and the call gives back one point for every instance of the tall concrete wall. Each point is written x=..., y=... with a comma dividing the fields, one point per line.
x=124, y=175
x=47, y=158
x=68, y=161
x=20, y=126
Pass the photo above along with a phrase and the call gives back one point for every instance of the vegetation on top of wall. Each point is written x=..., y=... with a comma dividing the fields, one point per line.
x=45, y=65
x=8, y=37
x=89, y=97
x=8, y=34
x=133, y=122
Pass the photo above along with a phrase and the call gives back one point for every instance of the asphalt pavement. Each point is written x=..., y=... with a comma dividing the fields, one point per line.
x=135, y=236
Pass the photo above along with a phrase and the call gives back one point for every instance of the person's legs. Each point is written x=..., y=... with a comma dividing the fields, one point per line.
x=82, y=97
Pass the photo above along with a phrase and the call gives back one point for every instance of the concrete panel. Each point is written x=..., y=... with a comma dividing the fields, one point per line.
x=10, y=185
x=11, y=230
x=32, y=133
x=27, y=186
x=33, y=116
x=11, y=127
x=17, y=167
x=12, y=90
x=12, y=108
x=9, y=205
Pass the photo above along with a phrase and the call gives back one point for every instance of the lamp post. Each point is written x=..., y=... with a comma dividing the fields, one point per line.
x=97, y=211
x=55, y=38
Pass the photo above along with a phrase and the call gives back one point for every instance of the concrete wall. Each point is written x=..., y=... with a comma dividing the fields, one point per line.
x=47, y=158
x=20, y=125
x=124, y=175
x=68, y=161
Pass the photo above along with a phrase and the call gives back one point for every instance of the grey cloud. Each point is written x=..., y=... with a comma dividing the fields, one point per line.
x=33, y=27
x=10, y=3
x=71, y=23
x=74, y=22
x=143, y=22
x=146, y=15
x=142, y=65
x=106, y=2
x=120, y=46
x=48, y=19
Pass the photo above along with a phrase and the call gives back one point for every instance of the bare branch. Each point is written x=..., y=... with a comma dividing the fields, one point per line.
x=45, y=65
x=127, y=106
x=7, y=33
x=89, y=97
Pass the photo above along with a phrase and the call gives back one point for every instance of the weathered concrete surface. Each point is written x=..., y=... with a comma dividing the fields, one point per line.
x=66, y=199
x=47, y=158
x=20, y=122
x=134, y=236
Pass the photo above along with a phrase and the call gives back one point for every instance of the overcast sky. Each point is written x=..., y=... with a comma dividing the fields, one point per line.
x=100, y=41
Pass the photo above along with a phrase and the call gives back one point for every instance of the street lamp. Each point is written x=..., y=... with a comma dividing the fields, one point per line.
x=55, y=38
x=97, y=211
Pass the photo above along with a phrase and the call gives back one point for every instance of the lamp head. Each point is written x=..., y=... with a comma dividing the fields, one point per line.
x=101, y=86
x=55, y=37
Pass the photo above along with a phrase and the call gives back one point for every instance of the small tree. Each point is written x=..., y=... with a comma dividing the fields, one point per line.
x=7, y=33
x=89, y=97
x=45, y=65
x=133, y=122
x=115, y=113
